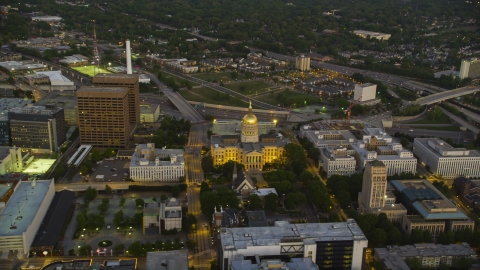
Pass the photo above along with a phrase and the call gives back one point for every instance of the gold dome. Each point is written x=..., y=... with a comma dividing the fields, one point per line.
x=250, y=118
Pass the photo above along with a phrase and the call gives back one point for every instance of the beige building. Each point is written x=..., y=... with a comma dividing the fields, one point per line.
x=10, y=159
x=248, y=148
x=302, y=63
x=129, y=81
x=373, y=197
x=103, y=117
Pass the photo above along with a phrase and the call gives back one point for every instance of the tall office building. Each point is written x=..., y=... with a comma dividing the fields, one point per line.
x=374, y=186
x=37, y=128
x=103, y=116
x=302, y=63
x=470, y=68
x=123, y=80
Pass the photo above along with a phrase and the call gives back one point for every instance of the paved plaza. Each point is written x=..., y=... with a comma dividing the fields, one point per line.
x=109, y=232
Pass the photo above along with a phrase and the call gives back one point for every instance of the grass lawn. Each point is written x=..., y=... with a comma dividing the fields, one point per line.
x=288, y=98
x=211, y=96
x=250, y=88
x=444, y=119
x=224, y=76
x=90, y=70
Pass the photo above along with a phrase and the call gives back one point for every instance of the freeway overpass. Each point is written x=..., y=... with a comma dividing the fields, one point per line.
x=439, y=97
x=462, y=122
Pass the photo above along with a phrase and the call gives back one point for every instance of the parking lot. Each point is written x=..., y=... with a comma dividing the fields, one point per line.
x=112, y=170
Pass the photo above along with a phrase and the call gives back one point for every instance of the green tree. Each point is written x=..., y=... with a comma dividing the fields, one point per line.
x=136, y=249
x=118, y=218
x=95, y=155
x=254, y=202
x=109, y=152
x=175, y=191
x=139, y=202
x=435, y=113
x=271, y=202
x=188, y=222
x=296, y=160
x=207, y=164
x=108, y=189
x=137, y=220
x=417, y=236
x=414, y=263
x=234, y=75
x=81, y=220
x=84, y=250
x=83, y=169
x=427, y=237
x=90, y=194
x=379, y=238
x=121, y=203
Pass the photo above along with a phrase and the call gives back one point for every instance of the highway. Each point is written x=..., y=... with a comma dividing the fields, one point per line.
x=187, y=110
x=223, y=90
x=474, y=116
x=442, y=96
x=417, y=132
x=459, y=120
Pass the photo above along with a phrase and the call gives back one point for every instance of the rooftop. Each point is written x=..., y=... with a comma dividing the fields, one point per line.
x=102, y=89
x=240, y=238
x=441, y=149
x=63, y=99
x=166, y=260
x=148, y=155
x=257, y=219
x=23, y=206
x=392, y=255
x=9, y=103
x=54, y=219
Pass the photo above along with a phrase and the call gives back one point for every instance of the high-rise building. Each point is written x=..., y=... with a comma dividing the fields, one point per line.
x=103, y=116
x=123, y=80
x=365, y=92
x=470, y=68
x=373, y=198
x=374, y=185
x=302, y=63
x=37, y=128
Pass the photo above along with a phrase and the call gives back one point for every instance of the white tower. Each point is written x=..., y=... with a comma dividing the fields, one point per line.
x=128, y=55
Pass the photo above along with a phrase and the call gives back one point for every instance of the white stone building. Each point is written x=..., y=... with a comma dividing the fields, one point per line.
x=338, y=160
x=302, y=63
x=445, y=160
x=149, y=164
x=171, y=215
x=10, y=159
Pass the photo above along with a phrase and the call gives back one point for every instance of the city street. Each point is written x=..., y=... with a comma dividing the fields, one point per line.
x=194, y=176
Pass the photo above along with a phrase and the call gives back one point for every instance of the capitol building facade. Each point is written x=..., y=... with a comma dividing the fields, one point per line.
x=248, y=148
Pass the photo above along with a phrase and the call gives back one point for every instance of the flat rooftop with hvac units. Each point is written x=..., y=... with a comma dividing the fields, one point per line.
x=343, y=242
x=22, y=215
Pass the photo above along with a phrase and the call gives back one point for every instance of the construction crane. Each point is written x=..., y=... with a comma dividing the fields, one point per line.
x=349, y=109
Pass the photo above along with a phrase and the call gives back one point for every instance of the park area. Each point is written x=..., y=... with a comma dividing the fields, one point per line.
x=90, y=70
x=208, y=95
x=249, y=87
x=218, y=76
x=288, y=98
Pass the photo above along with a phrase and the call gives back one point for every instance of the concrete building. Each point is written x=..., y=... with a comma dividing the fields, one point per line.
x=171, y=215
x=75, y=60
x=338, y=160
x=66, y=100
x=375, y=35
x=57, y=81
x=445, y=160
x=124, y=80
x=103, y=117
x=23, y=214
x=249, y=148
x=295, y=263
x=365, y=92
x=373, y=198
x=5, y=105
x=39, y=43
x=149, y=164
x=176, y=259
x=302, y=63
x=328, y=245
x=428, y=208
x=431, y=255
x=470, y=68
x=149, y=113
x=468, y=191
x=22, y=67
x=10, y=159
x=10, y=56
x=38, y=128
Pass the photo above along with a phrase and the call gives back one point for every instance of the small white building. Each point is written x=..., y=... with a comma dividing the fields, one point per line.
x=338, y=160
x=365, y=92
x=149, y=164
x=149, y=113
x=302, y=63
x=171, y=215
x=375, y=35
